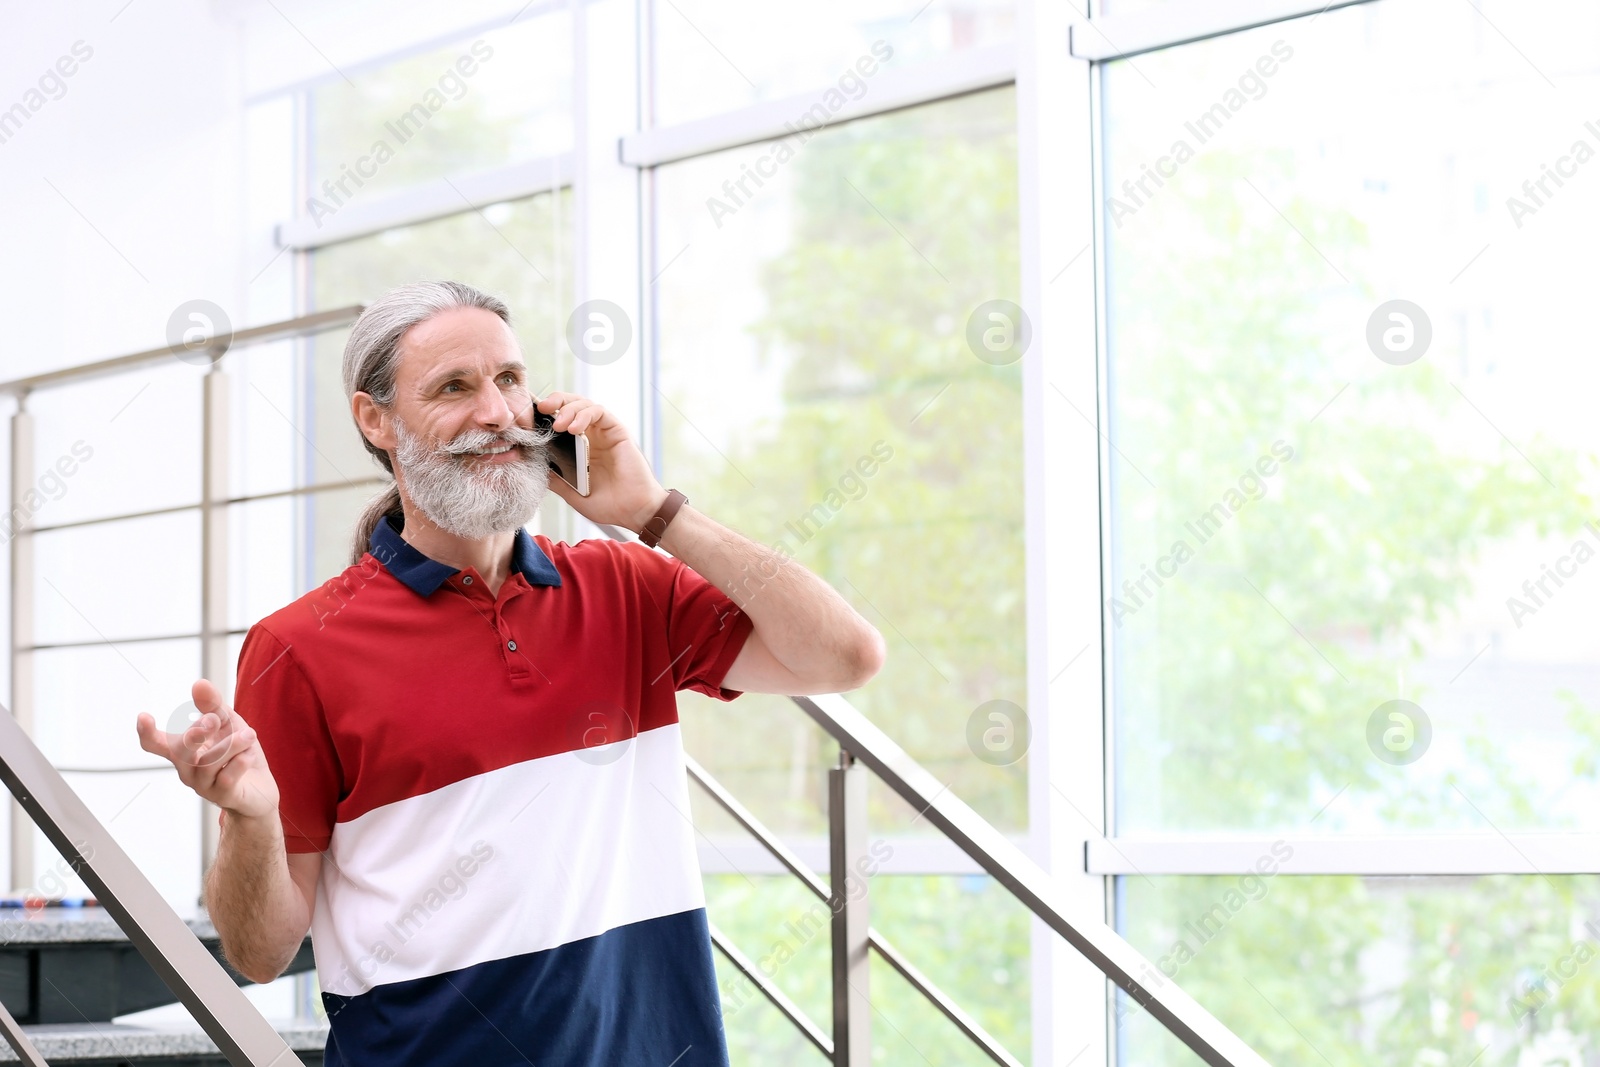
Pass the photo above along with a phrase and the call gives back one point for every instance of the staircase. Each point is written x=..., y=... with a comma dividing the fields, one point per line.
x=65, y=973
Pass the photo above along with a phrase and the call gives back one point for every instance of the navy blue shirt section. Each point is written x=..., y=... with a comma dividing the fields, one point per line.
x=641, y=995
x=424, y=575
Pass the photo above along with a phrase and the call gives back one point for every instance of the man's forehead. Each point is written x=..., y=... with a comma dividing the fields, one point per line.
x=487, y=344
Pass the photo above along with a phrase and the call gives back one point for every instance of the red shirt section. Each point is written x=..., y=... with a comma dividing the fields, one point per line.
x=365, y=691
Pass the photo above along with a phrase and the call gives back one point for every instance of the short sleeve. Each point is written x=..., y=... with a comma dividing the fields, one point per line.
x=705, y=628
x=273, y=695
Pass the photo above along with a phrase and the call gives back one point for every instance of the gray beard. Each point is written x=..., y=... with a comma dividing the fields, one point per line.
x=468, y=498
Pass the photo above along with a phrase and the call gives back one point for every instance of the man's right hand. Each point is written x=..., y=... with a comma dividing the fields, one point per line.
x=217, y=756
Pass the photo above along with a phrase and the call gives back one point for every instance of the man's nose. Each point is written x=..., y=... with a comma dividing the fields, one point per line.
x=494, y=410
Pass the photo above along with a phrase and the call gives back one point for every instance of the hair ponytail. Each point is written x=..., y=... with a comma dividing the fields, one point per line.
x=384, y=504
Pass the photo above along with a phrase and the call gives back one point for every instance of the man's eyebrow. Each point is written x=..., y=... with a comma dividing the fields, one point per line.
x=466, y=372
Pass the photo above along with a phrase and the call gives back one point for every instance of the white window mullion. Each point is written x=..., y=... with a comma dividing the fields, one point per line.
x=1412, y=854
x=1165, y=25
x=1060, y=459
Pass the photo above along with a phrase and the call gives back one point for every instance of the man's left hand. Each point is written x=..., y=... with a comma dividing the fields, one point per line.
x=622, y=489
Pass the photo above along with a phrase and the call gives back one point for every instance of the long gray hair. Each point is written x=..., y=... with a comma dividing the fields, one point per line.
x=372, y=357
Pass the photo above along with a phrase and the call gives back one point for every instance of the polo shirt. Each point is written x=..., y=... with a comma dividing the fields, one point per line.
x=497, y=784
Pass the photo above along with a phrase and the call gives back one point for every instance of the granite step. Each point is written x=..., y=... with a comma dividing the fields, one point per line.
x=114, y=1044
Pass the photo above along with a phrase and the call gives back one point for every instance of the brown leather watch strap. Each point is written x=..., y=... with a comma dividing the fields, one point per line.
x=650, y=536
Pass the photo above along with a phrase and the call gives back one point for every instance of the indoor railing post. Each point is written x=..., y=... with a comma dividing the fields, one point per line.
x=215, y=661
x=17, y=525
x=847, y=867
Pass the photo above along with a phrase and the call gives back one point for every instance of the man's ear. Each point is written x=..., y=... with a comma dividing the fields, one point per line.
x=373, y=421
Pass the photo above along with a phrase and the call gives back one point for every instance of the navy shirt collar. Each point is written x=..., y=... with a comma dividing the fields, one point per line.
x=424, y=575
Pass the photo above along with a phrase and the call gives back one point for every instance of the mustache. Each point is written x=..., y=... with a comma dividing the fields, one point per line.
x=470, y=441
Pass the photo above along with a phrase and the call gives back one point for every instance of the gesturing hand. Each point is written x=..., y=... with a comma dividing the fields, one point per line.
x=217, y=756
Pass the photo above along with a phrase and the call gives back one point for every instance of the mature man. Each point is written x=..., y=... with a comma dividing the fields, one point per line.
x=476, y=797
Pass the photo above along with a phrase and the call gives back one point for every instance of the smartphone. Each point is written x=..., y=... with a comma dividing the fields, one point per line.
x=569, y=454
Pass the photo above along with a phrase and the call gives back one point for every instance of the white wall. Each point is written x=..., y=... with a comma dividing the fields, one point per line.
x=148, y=143
x=122, y=198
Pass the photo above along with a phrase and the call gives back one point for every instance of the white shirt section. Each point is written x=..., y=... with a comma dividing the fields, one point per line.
x=521, y=859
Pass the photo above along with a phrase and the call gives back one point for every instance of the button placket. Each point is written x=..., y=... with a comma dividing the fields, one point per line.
x=508, y=592
x=508, y=646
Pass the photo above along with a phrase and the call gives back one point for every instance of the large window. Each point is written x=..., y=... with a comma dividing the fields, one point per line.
x=866, y=438
x=1352, y=476
x=1352, y=971
x=484, y=101
x=1305, y=528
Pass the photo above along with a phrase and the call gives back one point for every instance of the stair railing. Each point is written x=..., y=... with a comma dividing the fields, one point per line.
x=220, y=1007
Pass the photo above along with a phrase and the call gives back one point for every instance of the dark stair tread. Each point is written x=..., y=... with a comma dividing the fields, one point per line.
x=65, y=965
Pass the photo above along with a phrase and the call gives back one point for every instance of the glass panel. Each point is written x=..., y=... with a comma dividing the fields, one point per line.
x=1494, y=971
x=266, y=534
x=291, y=545
x=111, y=580
x=478, y=103
x=87, y=702
x=970, y=937
x=87, y=698
x=868, y=440
x=785, y=778
x=519, y=250
x=1354, y=456
x=106, y=446
x=717, y=55
x=155, y=819
x=964, y=932
x=271, y=447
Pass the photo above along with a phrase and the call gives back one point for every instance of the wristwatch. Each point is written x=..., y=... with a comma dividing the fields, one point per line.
x=650, y=536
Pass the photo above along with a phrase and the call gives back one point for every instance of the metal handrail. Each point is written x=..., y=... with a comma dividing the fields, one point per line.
x=247, y=498
x=1102, y=946
x=316, y=322
x=19, y=1041
x=168, y=945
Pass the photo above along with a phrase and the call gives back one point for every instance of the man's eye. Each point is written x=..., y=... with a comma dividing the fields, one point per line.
x=450, y=385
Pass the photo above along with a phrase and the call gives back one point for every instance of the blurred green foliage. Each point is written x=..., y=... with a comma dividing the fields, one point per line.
x=899, y=227
x=1244, y=684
